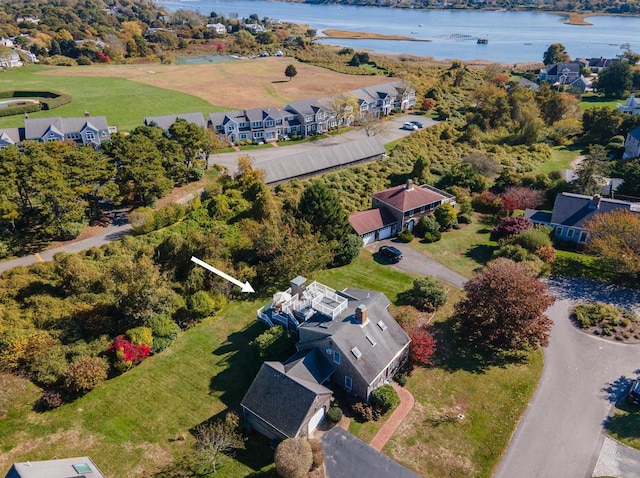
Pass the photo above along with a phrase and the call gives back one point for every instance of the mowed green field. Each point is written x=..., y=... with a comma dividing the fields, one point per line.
x=125, y=103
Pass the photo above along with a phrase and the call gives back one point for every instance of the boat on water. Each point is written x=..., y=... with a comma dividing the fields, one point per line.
x=625, y=46
x=420, y=25
x=482, y=41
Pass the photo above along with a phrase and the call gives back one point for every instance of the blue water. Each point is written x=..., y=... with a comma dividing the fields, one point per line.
x=513, y=36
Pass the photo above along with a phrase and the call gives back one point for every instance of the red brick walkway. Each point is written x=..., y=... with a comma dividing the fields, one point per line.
x=396, y=418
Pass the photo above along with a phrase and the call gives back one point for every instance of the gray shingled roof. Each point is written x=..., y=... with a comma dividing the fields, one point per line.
x=347, y=333
x=35, y=128
x=635, y=133
x=11, y=135
x=165, y=122
x=577, y=209
x=319, y=159
x=281, y=400
x=305, y=107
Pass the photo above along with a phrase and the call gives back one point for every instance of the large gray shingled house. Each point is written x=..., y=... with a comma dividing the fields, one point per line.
x=345, y=339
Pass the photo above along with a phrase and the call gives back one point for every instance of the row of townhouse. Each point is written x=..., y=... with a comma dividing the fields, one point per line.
x=310, y=116
x=87, y=130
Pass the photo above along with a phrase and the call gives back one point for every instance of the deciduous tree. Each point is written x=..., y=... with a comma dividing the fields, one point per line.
x=293, y=458
x=556, y=53
x=505, y=308
x=615, y=237
x=219, y=438
x=290, y=71
x=518, y=197
x=616, y=80
x=423, y=346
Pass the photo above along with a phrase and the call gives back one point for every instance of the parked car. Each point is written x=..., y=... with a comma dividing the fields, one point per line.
x=634, y=392
x=417, y=123
x=390, y=253
x=410, y=127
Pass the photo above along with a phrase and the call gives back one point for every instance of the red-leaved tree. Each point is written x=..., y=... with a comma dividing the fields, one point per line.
x=519, y=197
x=505, y=308
x=423, y=346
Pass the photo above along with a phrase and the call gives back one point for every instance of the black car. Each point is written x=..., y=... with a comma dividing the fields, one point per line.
x=391, y=253
x=634, y=392
x=419, y=124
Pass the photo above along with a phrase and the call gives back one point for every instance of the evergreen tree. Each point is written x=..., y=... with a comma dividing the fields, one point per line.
x=321, y=208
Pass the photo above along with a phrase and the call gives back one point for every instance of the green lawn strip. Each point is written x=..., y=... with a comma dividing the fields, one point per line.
x=125, y=103
x=561, y=158
x=591, y=100
x=463, y=250
x=624, y=425
x=492, y=403
x=574, y=264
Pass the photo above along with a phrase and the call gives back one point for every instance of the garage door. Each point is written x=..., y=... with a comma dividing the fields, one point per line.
x=315, y=420
x=385, y=233
x=369, y=238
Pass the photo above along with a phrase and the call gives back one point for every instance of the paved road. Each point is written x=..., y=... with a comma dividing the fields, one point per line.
x=561, y=433
x=391, y=132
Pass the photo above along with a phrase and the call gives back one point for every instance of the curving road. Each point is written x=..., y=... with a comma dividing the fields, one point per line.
x=562, y=431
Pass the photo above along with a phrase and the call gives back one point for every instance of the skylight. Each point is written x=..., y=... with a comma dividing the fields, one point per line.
x=371, y=341
x=82, y=468
x=382, y=325
x=356, y=352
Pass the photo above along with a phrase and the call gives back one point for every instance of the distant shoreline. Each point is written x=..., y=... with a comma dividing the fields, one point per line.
x=347, y=35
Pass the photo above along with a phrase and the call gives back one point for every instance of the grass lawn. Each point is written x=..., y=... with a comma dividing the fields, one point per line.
x=624, y=424
x=463, y=250
x=125, y=103
x=591, y=100
x=561, y=158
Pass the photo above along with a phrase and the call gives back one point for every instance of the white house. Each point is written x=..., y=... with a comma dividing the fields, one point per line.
x=218, y=28
x=632, y=105
x=632, y=144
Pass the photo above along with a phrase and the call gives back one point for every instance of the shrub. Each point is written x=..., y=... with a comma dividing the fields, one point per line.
x=465, y=218
x=427, y=294
x=547, y=254
x=142, y=220
x=364, y=412
x=405, y=236
x=273, y=344
x=126, y=354
x=49, y=366
x=334, y=414
x=51, y=399
x=510, y=226
x=532, y=239
x=70, y=230
x=384, y=398
x=201, y=304
x=511, y=251
x=430, y=237
x=407, y=316
x=140, y=335
x=168, y=215
x=401, y=379
x=164, y=331
x=426, y=225
x=446, y=216
x=422, y=347
x=487, y=203
x=85, y=373
x=293, y=458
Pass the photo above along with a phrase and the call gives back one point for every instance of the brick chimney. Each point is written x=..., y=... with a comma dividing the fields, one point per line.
x=361, y=314
x=86, y=114
x=409, y=185
x=595, y=202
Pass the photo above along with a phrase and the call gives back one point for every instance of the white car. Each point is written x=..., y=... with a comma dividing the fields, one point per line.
x=410, y=127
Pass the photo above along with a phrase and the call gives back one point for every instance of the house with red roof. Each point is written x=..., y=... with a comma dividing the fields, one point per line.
x=396, y=209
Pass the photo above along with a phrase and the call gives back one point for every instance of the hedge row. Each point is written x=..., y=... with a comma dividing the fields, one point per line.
x=48, y=101
x=19, y=110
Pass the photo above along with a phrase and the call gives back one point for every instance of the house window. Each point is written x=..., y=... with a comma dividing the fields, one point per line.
x=559, y=231
x=348, y=383
x=412, y=212
x=219, y=127
x=243, y=135
x=336, y=357
x=570, y=233
x=422, y=208
x=268, y=123
x=90, y=135
x=308, y=119
x=583, y=236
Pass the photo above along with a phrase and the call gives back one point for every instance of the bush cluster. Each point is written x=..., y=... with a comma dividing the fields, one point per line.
x=384, y=398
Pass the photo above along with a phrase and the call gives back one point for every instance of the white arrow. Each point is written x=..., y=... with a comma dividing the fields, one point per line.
x=246, y=287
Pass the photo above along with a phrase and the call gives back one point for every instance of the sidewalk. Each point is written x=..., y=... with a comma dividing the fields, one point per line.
x=396, y=418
